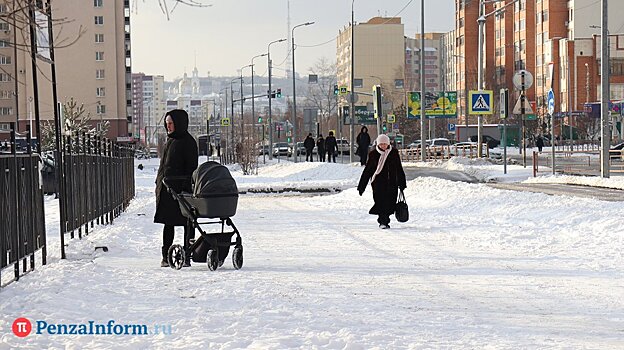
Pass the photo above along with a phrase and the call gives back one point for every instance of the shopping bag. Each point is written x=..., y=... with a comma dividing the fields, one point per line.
x=401, y=213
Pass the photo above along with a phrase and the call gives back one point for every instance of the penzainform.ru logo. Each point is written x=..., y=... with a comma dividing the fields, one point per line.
x=22, y=327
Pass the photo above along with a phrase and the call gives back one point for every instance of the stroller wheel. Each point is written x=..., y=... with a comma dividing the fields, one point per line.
x=176, y=256
x=237, y=257
x=213, y=259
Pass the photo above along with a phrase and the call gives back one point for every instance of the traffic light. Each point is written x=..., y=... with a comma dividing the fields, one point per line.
x=377, y=101
x=259, y=119
x=279, y=93
x=336, y=91
x=384, y=127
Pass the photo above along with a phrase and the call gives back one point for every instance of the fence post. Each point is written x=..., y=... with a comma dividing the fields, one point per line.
x=535, y=163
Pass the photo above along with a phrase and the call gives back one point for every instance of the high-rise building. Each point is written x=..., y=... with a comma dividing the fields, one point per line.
x=92, y=60
x=148, y=103
x=379, y=57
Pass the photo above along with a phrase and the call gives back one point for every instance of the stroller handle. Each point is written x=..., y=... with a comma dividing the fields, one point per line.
x=173, y=178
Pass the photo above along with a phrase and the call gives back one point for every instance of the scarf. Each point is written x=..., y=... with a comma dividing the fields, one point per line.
x=382, y=160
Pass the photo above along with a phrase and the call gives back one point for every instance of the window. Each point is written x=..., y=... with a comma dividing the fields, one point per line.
x=6, y=110
x=4, y=43
x=522, y=24
x=545, y=16
x=539, y=39
x=100, y=109
x=99, y=74
x=99, y=56
x=98, y=3
x=99, y=38
x=3, y=8
x=99, y=20
x=398, y=83
x=4, y=26
x=6, y=95
x=100, y=92
x=461, y=22
x=538, y=18
x=5, y=59
x=5, y=77
x=358, y=83
x=538, y=60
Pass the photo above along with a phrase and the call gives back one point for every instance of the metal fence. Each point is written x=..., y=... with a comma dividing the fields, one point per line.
x=97, y=183
x=22, y=218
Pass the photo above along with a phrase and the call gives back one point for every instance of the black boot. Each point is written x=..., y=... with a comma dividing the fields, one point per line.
x=164, y=262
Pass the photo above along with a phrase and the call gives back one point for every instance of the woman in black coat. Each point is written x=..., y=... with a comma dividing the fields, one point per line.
x=363, y=141
x=179, y=160
x=385, y=172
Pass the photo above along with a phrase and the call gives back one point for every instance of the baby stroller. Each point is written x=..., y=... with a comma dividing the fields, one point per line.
x=215, y=196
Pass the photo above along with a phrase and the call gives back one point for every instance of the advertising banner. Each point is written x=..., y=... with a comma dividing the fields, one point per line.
x=437, y=104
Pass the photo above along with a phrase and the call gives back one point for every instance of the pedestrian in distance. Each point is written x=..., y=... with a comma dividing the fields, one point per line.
x=308, y=144
x=320, y=148
x=385, y=173
x=363, y=141
x=331, y=147
x=179, y=160
x=539, y=143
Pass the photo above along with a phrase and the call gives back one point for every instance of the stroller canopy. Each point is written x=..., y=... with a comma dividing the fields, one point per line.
x=213, y=179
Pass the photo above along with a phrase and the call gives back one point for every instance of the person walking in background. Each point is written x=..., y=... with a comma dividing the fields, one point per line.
x=363, y=141
x=331, y=147
x=308, y=144
x=386, y=175
x=179, y=160
x=539, y=143
x=320, y=148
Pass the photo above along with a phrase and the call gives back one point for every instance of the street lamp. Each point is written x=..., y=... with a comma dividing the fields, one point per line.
x=242, y=102
x=481, y=83
x=270, y=98
x=294, y=130
x=232, y=147
x=352, y=95
x=253, y=96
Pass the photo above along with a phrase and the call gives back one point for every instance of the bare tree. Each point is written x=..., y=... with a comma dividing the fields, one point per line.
x=76, y=121
x=321, y=95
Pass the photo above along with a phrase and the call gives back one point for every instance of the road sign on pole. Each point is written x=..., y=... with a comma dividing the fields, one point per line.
x=481, y=102
x=225, y=121
x=522, y=80
x=551, y=102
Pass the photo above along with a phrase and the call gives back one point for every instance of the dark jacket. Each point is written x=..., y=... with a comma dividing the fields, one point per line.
x=309, y=143
x=320, y=145
x=363, y=141
x=387, y=182
x=179, y=160
x=331, y=146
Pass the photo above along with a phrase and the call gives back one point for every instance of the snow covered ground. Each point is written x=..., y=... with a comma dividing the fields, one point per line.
x=475, y=267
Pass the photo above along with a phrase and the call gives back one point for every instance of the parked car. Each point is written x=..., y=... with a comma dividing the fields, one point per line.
x=301, y=151
x=463, y=148
x=617, y=151
x=343, y=146
x=438, y=142
x=263, y=149
x=416, y=144
x=282, y=149
x=491, y=142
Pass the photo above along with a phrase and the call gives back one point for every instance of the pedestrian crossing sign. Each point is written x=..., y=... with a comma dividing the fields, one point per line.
x=225, y=121
x=481, y=102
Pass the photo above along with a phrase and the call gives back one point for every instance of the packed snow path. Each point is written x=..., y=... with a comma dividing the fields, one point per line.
x=475, y=267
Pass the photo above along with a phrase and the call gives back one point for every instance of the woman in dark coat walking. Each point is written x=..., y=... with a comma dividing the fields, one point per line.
x=385, y=172
x=179, y=160
x=363, y=141
x=320, y=148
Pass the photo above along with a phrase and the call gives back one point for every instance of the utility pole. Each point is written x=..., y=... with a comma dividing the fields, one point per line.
x=270, y=97
x=605, y=92
x=422, y=80
x=352, y=94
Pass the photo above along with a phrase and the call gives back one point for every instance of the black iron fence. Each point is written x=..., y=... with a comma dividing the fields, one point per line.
x=22, y=218
x=97, y=183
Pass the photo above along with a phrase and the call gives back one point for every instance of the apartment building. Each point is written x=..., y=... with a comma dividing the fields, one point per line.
x=434, y=62
x=92, y=62
x=148, y=103
x=378, y=57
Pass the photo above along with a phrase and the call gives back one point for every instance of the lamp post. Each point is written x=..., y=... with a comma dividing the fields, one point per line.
x=481, y=83
x=253, y=96
x=270, y=98
x=605, y=92
x=422, y=80
x=294, y=114
x=465, y=92
x=242, y=101
x=232, y=147
x=352, y=94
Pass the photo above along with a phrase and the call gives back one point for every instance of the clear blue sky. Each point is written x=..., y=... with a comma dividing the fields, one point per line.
x=225, y=36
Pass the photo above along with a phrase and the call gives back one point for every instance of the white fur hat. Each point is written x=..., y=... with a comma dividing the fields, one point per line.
x=383, y=139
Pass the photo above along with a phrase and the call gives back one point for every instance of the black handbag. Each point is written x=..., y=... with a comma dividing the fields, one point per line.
x=401, y=213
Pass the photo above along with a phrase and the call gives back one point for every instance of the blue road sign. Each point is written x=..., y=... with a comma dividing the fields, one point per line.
x=481, y=102
x=551, y=102
x=451, y=127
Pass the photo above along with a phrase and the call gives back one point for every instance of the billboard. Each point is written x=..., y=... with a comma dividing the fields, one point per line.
x=362, y=113
x=437, y=104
